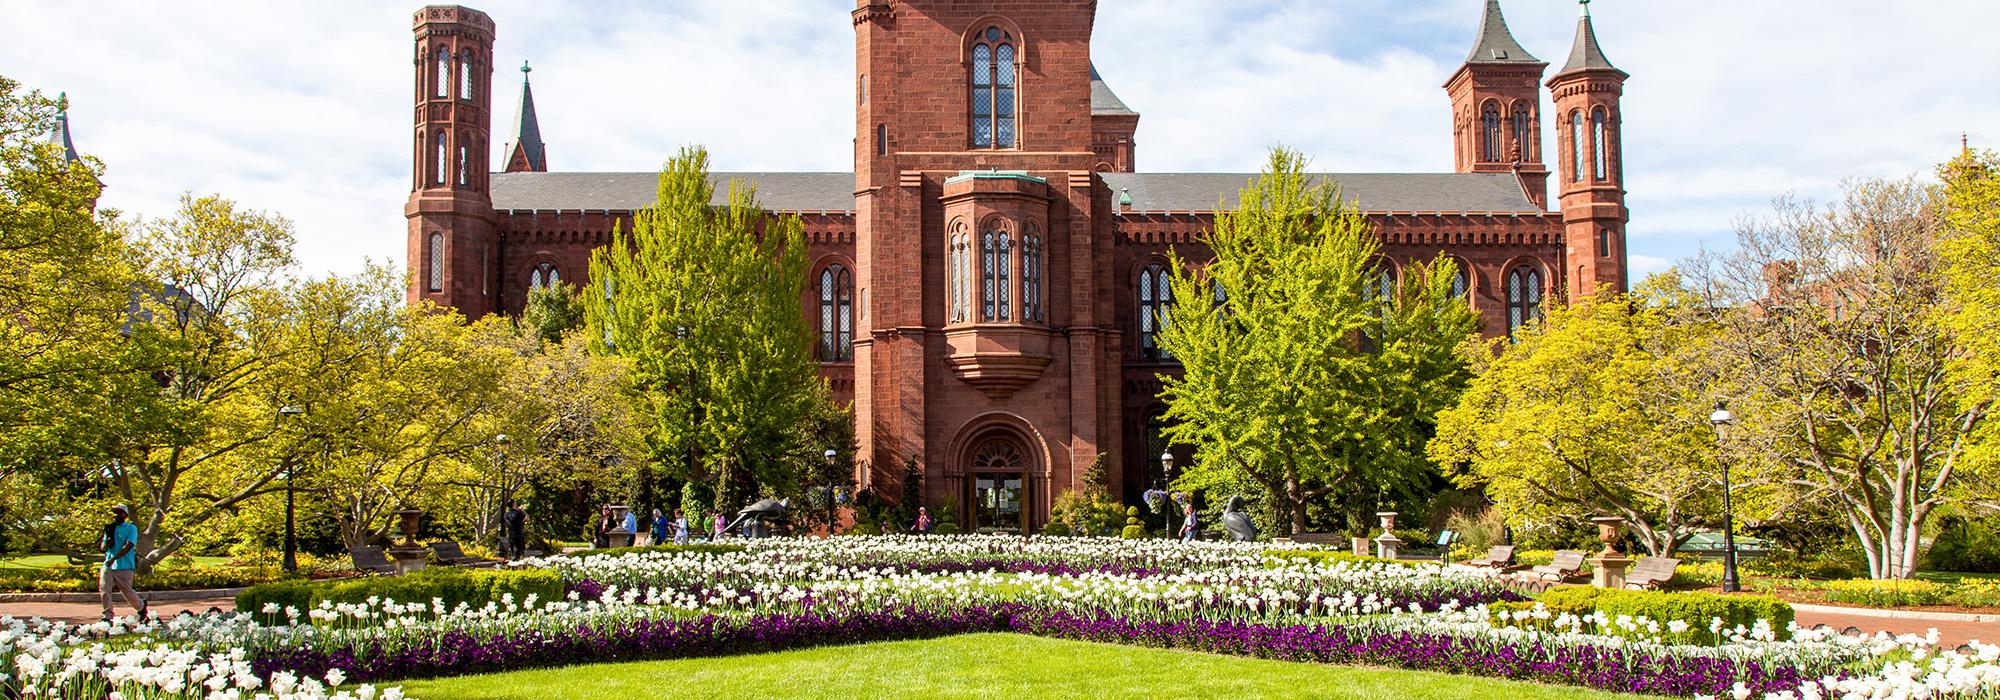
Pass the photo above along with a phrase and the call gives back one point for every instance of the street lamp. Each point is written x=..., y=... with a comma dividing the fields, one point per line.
x=1167, y=486
x=830, y=454
x=1721, y=419
x=499, y=462
x=291, y=561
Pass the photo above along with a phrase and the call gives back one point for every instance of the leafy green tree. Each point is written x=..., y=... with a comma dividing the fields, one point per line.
x=1309, y=378
x=1971, y=255
x=704, y=300
x=552, y=311
x=1601, y=409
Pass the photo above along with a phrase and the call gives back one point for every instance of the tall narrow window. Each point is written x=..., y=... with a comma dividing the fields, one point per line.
x=881, y=139
x=1576, y=145
x=465, y=75
x=1221, y=295
x=463, y=163
x=836, y=314
x=1459, y=282
x=1005, y=287
x=439, y=162
x=957, y=274
x=1597, y=144
x=987, y=248
x=435, y=279
x=994, y=106
x=1524, y=297
x=1155, y=295
x=1489, y=134
x=1604, y=243
x=485, y=268
x=610, y=312
x=443, y=86
x=1031, y=276
x=1524, y=133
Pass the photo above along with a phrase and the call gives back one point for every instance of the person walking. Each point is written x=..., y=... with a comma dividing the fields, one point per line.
x=631, y=525
x=1189, y=528
x=515, y=521
x=663, y=529
x=120, y=540
x=721, y=523
x=680, y=527
x=604, y=526
x=923, y=524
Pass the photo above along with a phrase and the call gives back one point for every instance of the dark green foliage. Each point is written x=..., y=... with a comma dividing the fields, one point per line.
x=1694, y=608
x=552, y=311
x=658, y=549
x=1134, y=529
x=473, y=587
x=1966, y=546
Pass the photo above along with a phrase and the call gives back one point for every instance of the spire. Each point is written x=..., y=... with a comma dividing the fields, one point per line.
x=1584, y=53
x=1102, y=99
x=1495, y=44
x=60, y=135
x=528, y=153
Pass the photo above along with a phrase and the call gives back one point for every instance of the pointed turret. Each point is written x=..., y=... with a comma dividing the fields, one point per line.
x=1495, y=44
x=1496, y=105
x=1112, y=126
x=1584, y=53
x=60, y=135
x=527, y=154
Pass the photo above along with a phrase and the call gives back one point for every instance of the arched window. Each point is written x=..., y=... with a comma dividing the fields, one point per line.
x=1031, y=275
x=1155, y=295
x=1221, y=295
x=1460, y=282
x=993, y=89
x=1524, y=297
x=610, y=312
x=465, y=75
x=464, y=165
x=988, y=247
x=1576, y=145
x=836, y=314
x=1597, y=143
x=443, y=87
x=1005, y=287
x=1489, y=133
x=435, y=280
x=958, y=282
x=544, y=275
x=1524, y=132
x=439, y=162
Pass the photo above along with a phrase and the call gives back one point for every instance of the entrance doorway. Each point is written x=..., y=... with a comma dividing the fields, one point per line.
x=999, y=468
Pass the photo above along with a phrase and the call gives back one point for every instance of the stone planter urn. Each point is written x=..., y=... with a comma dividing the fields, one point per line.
x=1361, y=546
x=408, y=555
x=619, y=536
x=1608, y=567
x=1385, y=546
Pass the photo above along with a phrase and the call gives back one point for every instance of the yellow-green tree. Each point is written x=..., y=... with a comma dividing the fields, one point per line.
x=1601, y=409
x=1971, y=255
x=1309, y=378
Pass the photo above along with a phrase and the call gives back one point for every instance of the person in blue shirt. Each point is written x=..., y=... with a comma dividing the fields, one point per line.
x=121, y=539
x=662, y=529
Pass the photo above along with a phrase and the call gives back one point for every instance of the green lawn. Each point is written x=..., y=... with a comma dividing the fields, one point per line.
x=980, y=665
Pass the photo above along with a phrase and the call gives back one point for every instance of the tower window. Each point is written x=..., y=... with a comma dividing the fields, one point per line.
x=987, y=247
x=438, y=163
x=836, y=314
x=1005, y=287
x=544, y=275
x=1489, y=133
x=463, y=163
x=465, y=75
x=1031, y=275
x=1524, y=297
x=1604, y=243
x=1576, y=145
x=435, y=280
x=959, y=255
x=881, y=139
x=1155, y=295
x=993, y=90
x=1597, y=144
x=1524, y=133
x=443, y=86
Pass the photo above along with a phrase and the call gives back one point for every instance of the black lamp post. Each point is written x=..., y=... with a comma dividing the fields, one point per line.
x=1166, y=487
x=830, y=506
x=291, y=560
x=499, y=462
x=1721, y=419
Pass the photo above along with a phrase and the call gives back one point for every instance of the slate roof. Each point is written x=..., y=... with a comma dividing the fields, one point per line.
x=1495, y=44
x=1102, y=99
x=631, y=191
x=528, y=132
x=1475, y=192
x=1584, y=54
x=1429, y=192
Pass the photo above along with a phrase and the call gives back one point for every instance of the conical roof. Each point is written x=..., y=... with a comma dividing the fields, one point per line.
x=528, y=132
x=60, y=134
x=1584, y=53
x=1102, y=99
x=1495, y=44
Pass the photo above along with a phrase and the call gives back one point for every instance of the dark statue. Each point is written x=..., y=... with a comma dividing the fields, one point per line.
x=1237, y=522
x=757, y=513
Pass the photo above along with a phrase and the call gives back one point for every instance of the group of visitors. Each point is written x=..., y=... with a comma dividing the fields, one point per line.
x=662, y=529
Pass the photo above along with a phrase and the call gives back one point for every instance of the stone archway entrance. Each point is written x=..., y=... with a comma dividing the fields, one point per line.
x=999, y=466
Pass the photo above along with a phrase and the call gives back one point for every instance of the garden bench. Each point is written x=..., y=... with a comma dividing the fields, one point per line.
x=450, y=554
x=1565, y=566
x=371, y=560
x=1651, y=573
x=1499, y=557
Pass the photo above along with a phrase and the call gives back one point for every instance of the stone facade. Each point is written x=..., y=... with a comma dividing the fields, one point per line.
x=998, y=243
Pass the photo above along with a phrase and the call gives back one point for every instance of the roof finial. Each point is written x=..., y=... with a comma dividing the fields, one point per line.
x=1586, y=6
x=525, y=70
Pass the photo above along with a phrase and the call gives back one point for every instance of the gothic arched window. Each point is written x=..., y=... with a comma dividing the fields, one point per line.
x=1031, y=275
x=465, y=75
x=1524, y=132
x=1524, y=297
x=1597, y=144
x=1005, y=287
x=435, y=280
x=993, y=89
x=1155, y=295
x=1576, y=145
x=958, y=264
x=1489, y=133
x=1460, y=282
x=544, y=275
x=988, y=247
x=438, y=162
x=836, y=314
x=464, y=162
x=443, y=87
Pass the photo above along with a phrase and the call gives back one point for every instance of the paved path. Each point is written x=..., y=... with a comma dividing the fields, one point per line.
x=1950, y=632
x=91, y=612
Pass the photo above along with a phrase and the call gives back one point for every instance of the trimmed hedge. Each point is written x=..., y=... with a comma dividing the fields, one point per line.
x=1692, y=607
x=659, y=548
x=473, y=587
x=1329, y=557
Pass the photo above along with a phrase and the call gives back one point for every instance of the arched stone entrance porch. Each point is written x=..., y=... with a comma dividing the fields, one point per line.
x=999, y=472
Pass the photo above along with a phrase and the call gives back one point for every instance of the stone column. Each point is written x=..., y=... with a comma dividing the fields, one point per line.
x=1608, y=567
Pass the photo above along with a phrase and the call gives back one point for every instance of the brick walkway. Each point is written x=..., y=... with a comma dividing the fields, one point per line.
x=91, y=612
x=1951, y=633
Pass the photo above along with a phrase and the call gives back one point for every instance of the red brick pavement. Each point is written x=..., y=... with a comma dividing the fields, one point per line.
x=91, y=612
x=1950, y=632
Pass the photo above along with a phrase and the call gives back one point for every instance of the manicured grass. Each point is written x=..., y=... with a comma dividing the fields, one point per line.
x=980, y=665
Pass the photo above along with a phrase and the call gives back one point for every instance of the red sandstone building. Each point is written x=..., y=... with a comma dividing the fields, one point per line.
x=985, y=280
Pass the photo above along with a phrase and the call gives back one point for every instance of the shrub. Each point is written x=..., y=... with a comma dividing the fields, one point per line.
x=1976, y=594
x=1056, y=529
x=1785, y=564
x=1134, y=530
x=1885, y=594
x=1329, y=557
x=702, y=548
x=1966, y=545
x=1694, y=608
x=473, y=587
x=1087, y=512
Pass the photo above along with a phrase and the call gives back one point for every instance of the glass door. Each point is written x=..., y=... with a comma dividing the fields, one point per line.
x=996, y=499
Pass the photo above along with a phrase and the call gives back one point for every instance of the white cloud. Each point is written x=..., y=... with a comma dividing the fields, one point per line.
x=303, y=108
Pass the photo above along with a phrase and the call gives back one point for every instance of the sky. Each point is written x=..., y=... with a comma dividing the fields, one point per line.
x=303, y=108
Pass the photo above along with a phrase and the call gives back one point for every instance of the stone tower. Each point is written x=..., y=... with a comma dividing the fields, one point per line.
x=1592, y=181
x=453, y=249
x=1496, y=102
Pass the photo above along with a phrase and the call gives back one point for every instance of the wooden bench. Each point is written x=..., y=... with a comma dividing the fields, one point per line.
x=1499, y=557
x=1651, y=573
x=371, y=560
x=1565, y=566
x=450, y=554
